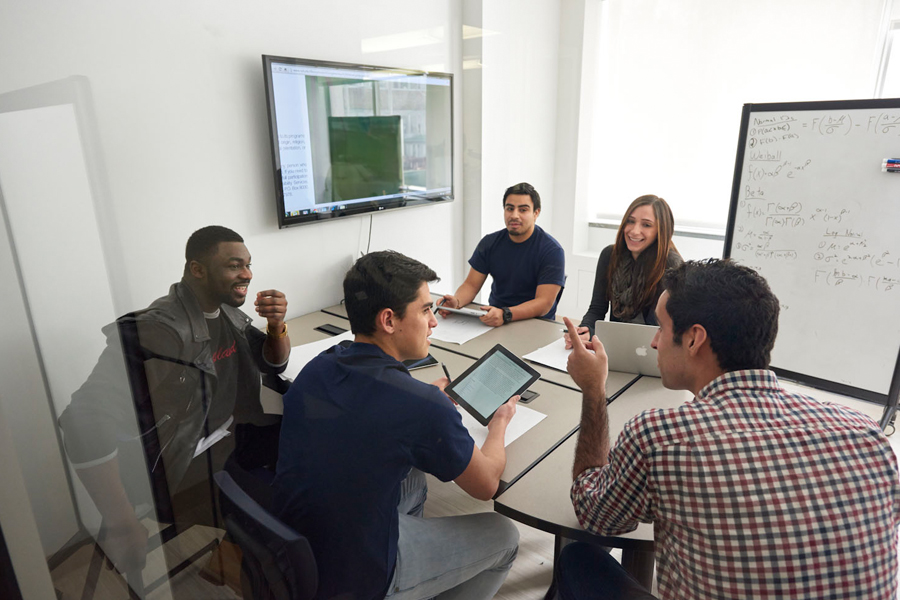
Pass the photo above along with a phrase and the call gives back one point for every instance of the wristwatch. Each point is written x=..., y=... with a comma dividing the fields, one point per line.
x=507, y=315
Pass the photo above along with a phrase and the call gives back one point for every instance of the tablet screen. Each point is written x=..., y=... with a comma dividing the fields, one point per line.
x=490, y=382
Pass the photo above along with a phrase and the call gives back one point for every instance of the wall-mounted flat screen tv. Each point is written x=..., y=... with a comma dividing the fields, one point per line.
x=350, y=139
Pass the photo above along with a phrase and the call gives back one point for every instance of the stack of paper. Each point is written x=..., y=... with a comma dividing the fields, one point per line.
x=524, y=419
x=552, y=355
x=300, y=355
x=459, y=329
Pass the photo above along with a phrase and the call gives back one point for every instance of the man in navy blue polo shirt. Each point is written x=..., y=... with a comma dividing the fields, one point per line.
x=358, y=433
x=527, y=265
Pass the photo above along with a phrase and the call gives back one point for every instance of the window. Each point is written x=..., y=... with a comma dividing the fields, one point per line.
x=889, y=74
x=673, y=76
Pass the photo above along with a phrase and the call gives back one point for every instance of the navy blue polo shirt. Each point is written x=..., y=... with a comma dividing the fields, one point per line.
x=517, y=269
x=354, y=424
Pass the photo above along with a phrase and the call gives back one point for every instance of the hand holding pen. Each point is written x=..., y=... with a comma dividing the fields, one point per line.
x=448, y=300
x=442, y=383
x=583, y=332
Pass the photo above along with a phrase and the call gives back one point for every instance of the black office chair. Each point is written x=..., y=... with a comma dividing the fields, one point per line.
x=278, y=562
x=145, y=448
x=562, y=289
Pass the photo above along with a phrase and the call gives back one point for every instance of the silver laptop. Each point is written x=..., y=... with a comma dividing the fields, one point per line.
x=628, y=347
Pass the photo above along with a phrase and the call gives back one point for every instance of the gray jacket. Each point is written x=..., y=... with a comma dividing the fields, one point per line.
x=150, y=391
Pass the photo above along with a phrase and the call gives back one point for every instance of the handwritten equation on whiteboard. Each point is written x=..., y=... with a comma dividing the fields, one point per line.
x=792, y=208
x=771, y=130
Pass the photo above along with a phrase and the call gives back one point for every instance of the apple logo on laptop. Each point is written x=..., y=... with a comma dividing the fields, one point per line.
x=641, y=350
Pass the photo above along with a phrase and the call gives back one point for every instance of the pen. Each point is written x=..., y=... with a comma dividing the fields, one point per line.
x=564, y=330
x=446, y=372
x=437, y=308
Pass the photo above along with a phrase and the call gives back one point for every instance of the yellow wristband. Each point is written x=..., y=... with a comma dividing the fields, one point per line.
x=277, y=336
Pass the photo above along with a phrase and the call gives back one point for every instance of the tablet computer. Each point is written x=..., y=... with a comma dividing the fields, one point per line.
x=471, y=312
x=420, y=363
x=491, y=381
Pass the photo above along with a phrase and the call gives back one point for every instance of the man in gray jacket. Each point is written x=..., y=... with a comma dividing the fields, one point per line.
x=175, y=378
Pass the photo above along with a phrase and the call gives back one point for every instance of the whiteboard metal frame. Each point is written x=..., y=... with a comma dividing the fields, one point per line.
x=889, y=400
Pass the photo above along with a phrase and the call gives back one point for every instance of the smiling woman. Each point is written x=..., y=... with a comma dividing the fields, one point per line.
x=629, y=272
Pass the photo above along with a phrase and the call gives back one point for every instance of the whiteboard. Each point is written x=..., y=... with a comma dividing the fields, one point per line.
x=813, y=212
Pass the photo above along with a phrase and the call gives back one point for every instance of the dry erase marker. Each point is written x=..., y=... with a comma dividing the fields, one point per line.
x=446, y=372
x=890, y=165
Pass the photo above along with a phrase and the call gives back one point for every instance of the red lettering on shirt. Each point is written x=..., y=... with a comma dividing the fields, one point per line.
x=224, y=352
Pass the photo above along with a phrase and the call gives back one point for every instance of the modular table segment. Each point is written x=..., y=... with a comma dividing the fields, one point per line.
x=541, y=498
x=561, y=405
x=338, y=310
x=521, y=337
x=302, y=330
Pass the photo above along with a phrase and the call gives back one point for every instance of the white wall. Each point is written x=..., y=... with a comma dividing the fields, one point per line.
x=578, y=23
x=511, y=60
x=519, y=82
x=180, y=107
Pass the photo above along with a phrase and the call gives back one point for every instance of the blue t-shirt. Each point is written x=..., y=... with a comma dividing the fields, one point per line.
x=517, y=269
x=354, y=423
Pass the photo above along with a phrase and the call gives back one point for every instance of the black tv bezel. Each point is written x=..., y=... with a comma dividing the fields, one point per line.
x=359, y=208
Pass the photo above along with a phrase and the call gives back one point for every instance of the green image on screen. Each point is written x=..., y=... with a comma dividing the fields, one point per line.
x=366, y=156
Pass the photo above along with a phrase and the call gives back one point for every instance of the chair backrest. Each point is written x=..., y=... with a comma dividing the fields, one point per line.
x=278, y=562
x=561, y=289
x=148, y=443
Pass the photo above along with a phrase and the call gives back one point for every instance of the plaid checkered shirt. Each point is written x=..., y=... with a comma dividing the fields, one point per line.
x=754, y=493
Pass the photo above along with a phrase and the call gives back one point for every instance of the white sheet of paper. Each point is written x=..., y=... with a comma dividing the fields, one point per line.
x=221, y=433
x=524, y=419
x=300, y=355
x=552, y=355
x=458, y=329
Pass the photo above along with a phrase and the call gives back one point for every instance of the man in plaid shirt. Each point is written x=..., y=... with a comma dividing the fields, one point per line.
x=753, y=492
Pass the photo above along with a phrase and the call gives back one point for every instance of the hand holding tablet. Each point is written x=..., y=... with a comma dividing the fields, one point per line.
x=490, y=382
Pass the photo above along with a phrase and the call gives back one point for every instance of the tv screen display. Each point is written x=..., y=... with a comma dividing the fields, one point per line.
x=351, y=139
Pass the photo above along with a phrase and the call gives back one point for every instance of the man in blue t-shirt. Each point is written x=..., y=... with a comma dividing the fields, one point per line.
x=528, y=266
x=358, y=433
